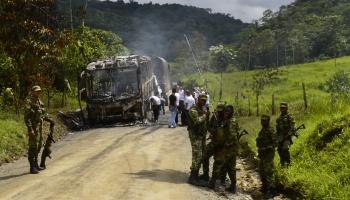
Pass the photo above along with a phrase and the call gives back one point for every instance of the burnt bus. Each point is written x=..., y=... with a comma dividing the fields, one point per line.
x=117, y=89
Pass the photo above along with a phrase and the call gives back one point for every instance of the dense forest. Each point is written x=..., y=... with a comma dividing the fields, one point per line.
x=152, y=29
x=303, y=31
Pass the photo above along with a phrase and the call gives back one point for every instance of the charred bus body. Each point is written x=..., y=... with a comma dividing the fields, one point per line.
x=118, y=89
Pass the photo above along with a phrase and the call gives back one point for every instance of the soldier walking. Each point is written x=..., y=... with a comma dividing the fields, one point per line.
x=266, y=143
x=285, y=127
x=197, y=129
x=225, y=157
x=33, y=117
x=216, y=130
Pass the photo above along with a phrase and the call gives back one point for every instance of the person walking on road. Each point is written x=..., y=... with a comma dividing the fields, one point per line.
x=34, y=115
x=197, y=129
x=156, y=107
x=172, y=109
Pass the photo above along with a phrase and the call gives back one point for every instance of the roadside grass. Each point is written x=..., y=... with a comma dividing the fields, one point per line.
x=315, y=173
x=13, y=132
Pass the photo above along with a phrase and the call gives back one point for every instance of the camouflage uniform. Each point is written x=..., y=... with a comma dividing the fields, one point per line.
x=197, y=130
x=285, y=127
x=225, y=157
x=216, y=130
x=33, y=117
x=266, y=143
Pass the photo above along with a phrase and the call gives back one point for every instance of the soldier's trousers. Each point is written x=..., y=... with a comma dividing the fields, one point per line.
x=283, y=152
x=266, y=168
x=209, y=152
x=223, y=164
x=198, y=147
x=34, y=147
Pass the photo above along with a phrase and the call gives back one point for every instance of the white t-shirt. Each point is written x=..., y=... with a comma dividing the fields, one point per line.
x=177, y=98
x=182, y=95
x=156, y=100
x=208, y=99
x=189, y=101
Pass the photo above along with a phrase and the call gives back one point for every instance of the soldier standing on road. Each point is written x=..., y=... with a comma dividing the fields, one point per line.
x=197, y=128
x=285, y=127
x=225, y=157
x=216, y=130
x=266, y=143
x=33, y=118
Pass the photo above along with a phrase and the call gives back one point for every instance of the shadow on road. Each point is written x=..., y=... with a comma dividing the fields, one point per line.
x=168, y=175
x=13, y=176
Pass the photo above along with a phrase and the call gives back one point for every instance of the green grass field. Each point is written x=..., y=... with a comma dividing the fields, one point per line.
x=316, y=173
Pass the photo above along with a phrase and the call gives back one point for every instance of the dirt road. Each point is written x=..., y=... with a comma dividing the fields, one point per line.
x=115, y=163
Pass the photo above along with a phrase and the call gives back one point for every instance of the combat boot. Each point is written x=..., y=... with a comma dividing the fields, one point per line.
x=232, y=188
x=194, y=179
x=42, y=163
x=33, y=169
x=204, y=176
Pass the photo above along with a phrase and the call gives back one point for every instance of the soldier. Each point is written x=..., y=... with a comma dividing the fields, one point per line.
x=285, y=127
x=33, y=117
x=197, y=128
x=225, y=157
x=216, y=131
x=266, y=143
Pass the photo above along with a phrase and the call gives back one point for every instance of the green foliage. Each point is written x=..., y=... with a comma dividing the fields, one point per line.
x=12, y=137
x=339, y=83
x=153, y=29
x=220, y=57
x=299, y=32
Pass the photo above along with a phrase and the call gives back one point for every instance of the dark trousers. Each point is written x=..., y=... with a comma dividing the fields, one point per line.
x=156, y=109
x=184, y=116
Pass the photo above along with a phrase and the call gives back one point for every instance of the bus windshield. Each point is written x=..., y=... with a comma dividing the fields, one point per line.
x=119, y=84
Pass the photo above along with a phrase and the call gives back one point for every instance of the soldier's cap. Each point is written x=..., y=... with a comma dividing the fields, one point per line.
x=221, y=106
x=36, y=88
x=203, y=97
x=265, y=118
x=284, y=105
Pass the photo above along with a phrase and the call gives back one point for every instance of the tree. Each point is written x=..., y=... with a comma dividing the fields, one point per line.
x=260, y=80
x=28, y=39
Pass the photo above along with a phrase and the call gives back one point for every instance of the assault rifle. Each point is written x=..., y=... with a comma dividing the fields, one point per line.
x=241, y=134
x=297, y=129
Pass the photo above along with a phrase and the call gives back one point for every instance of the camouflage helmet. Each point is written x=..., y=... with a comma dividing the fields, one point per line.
x=221, y=106
x=36, y=88
x=284, y=105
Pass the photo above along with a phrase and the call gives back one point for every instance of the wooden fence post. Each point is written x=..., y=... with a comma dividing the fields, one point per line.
x=304, y=94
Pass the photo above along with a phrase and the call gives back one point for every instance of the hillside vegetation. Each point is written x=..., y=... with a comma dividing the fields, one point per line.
x=152, y=29
x=321, y=154
x=300, y=32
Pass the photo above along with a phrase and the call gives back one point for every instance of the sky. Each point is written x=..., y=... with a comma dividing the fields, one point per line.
x=246, y=10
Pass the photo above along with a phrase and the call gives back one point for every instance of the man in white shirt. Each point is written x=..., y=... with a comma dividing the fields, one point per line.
x=189, y=102
x=177, y=106
x=156, y=106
